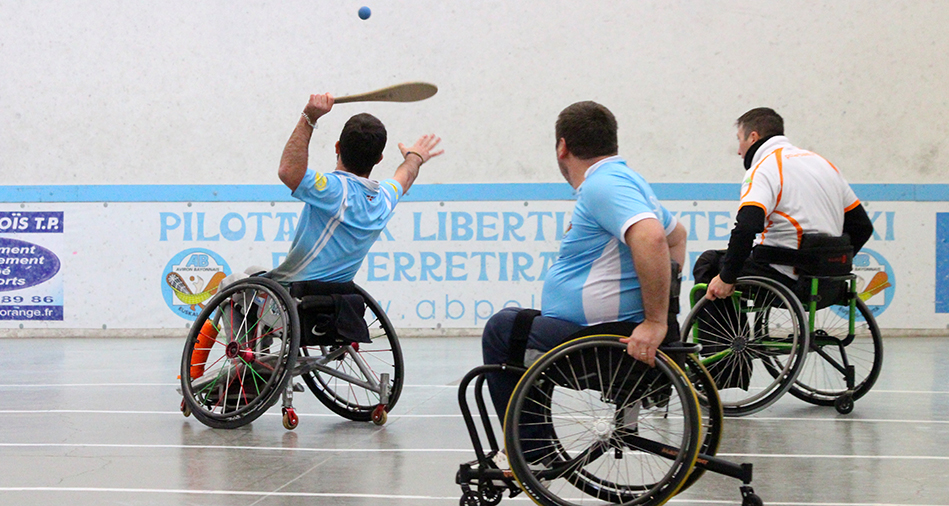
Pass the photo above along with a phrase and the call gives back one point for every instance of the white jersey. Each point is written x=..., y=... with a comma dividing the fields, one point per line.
x=799, y=191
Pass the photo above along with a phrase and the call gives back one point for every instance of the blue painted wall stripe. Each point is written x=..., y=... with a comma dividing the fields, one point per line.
x=423, y=192
x=942, y=262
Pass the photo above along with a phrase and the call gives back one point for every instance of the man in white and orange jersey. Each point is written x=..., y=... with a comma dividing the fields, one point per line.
x=787, y=192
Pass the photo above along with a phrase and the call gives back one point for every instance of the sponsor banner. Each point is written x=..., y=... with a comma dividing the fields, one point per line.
x=31, y=284
x=448, y=264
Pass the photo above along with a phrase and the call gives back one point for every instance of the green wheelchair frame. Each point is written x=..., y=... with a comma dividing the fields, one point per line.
x=785, y=354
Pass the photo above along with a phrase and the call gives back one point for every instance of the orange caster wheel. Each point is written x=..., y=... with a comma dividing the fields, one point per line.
x=379, y=415
x=290, y=419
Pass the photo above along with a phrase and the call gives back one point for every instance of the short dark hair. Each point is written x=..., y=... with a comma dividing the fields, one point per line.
x=361, y=143
x=762, y=120
x=588, y=129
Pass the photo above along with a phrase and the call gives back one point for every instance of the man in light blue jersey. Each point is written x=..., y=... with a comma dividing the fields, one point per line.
x=614, y=259
x=345, y=211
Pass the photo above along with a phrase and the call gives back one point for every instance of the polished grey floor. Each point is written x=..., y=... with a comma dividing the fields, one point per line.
x=96, y=421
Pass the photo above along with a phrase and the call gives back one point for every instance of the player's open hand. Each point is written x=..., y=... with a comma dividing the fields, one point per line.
x=424, y=148
x=318, y=106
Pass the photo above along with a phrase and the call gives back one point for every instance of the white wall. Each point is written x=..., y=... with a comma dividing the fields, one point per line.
x=136, y=92
x=175, y=95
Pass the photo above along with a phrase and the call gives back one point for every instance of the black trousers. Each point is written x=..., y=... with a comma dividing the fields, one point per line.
x=709, y=264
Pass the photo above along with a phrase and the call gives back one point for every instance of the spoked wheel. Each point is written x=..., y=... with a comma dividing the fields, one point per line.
x=239, y=353
x=753, y=343
x=711, y=409
x=822, y=380
x=354, y=392
x=588, y=416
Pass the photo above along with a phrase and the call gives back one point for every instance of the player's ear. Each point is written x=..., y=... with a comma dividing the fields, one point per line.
x=380, y=158
x=562, y=148
x=337, y=148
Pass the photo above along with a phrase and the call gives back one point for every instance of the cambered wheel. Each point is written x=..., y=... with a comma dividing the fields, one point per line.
x=821, y=380
x=753, y=343
x=712, y=414
x=239, y=353
x=586, y=415
x=366, y=362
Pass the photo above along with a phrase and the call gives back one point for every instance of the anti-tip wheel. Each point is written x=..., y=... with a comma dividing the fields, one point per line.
x=752, y=500
x=185, y=408
x=290, y=419
x=379, y=415
x=844, y=404
x=749, y=498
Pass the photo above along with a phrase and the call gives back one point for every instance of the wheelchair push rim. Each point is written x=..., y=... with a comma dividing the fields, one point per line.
x=754, y=347
x=618, y=430
x=239, y=352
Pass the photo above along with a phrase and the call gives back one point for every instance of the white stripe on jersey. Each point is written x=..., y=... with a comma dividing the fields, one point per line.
x=600, y=293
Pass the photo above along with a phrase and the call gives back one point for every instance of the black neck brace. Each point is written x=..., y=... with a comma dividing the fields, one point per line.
x=750, y=154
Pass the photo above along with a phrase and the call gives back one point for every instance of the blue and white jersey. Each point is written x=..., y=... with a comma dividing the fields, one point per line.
x=593, y=279
x=343, y=216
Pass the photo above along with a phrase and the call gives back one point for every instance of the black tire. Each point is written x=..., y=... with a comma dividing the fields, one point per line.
x=250, y=357
x=712, y=414
x=755, y=352
x=819, y=382
x=639, y=447
x=383, y=355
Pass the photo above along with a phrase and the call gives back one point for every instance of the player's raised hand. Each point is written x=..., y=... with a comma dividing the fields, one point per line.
x=318, y=106
x=423, y=148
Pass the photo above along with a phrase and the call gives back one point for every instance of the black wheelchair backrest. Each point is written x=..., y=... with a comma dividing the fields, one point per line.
x=819, y=255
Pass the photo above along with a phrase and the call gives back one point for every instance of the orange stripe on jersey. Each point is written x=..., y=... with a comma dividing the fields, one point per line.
x=797, y=226
x=753, y=172
x=831, y=165
x=777, y=154
x=853, y=206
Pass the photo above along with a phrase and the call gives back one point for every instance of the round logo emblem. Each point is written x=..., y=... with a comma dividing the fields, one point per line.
x=876, y=282
x=190, y=279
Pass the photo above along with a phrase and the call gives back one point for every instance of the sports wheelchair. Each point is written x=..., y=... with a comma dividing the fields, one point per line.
x=254, y=335
x=762, y=342
x=587, y=417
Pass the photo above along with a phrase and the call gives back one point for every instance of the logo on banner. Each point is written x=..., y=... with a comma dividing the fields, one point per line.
x=31, y=278
x=190, y=279
x=876, y=282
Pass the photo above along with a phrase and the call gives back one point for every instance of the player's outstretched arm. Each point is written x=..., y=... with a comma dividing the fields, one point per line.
x=293, y=163
x=415, y=155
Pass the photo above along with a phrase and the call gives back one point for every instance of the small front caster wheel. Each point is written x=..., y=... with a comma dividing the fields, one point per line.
x=290, y=419
x=469, y=498
x=490, y=495
x=844, y=404
x=379, y=415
